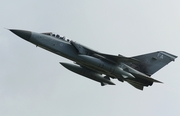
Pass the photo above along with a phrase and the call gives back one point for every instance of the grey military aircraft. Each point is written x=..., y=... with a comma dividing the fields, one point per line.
x=98, y=66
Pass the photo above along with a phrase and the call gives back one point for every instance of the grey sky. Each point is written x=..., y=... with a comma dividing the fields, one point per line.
x=33, y=83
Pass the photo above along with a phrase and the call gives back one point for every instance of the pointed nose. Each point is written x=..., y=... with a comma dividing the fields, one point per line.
x=22, y=33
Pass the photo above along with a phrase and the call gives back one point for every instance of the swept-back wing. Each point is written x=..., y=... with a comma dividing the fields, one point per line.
x=119, y=59
x=111, y=58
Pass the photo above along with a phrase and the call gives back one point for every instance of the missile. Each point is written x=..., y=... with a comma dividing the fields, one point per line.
x=87, y=73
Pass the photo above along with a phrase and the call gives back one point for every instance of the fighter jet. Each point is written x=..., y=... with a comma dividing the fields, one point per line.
x=98, y=66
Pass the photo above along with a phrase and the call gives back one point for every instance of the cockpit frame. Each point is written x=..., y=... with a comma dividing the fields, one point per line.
x=56, y=36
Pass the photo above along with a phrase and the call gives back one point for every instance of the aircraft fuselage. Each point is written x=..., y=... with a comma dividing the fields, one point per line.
x=65, y=49
x=92, y=64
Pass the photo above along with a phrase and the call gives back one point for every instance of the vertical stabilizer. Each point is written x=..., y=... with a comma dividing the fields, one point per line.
x=152, y=62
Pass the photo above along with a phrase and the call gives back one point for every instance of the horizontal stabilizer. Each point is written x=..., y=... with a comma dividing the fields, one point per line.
x=138, y=74
x=147, y=78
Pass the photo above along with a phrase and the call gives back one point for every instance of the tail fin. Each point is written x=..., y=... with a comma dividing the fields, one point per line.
x=152, y=62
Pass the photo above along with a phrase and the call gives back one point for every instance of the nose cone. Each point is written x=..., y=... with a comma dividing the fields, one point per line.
x=22, y=33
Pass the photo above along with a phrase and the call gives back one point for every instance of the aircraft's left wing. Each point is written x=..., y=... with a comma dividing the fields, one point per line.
x=118, y=59
x=111, y=58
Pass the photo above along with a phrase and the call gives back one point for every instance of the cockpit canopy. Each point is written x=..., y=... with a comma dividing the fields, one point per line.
x=55, y=35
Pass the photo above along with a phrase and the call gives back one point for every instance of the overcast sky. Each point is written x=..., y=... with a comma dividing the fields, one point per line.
x=33, y=83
